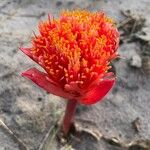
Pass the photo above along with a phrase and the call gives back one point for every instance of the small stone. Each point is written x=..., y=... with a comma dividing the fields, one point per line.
x=136, y=61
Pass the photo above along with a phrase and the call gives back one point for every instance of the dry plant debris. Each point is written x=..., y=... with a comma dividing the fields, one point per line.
x=136, y=124
x=22, y=146
x=132, y=24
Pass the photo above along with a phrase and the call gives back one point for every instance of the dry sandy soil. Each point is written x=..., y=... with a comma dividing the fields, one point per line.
x=121, y=121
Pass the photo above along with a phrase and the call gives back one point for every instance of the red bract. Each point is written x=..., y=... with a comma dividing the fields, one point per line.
x=75, y=51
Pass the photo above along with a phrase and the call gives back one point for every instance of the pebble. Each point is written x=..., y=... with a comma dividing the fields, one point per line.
x=136, y=61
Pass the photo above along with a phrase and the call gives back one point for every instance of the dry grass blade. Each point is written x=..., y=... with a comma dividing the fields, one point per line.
x=113, y=141
x=48, y=139
x=22, y=146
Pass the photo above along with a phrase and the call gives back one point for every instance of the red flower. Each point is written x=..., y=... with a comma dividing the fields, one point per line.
x=75, y=51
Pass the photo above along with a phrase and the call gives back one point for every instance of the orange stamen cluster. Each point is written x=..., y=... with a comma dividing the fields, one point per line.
x=77, y=47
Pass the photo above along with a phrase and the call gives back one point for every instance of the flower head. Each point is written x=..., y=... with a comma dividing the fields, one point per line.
x=75, y=51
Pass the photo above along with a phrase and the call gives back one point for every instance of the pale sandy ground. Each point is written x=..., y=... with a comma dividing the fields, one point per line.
x=29, y=111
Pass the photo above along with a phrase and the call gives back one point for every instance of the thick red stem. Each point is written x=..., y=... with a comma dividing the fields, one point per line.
x=69, y=115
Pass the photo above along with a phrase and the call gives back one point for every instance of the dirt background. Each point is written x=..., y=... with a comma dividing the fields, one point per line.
x=121, y=121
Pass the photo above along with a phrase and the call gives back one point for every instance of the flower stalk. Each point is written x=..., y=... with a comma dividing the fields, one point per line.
x=69, y=115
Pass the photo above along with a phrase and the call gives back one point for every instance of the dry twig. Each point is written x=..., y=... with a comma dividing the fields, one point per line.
x=22, y=146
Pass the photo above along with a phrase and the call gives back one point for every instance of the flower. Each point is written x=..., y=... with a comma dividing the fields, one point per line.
x=75, y=51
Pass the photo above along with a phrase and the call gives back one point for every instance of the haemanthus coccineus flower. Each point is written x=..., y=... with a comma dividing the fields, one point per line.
x=75, y=51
